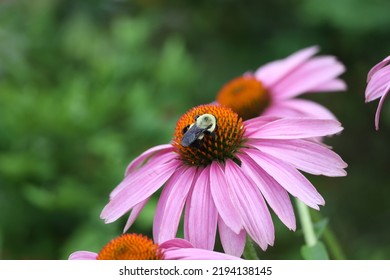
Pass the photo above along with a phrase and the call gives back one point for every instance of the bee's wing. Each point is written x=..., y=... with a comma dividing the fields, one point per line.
x=191, y=135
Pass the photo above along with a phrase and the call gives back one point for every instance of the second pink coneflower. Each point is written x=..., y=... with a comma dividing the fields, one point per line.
x=272, y=90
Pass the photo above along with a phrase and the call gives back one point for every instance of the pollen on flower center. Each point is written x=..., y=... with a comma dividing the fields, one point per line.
x=245, y=95
x=130, y=247
x=215, y=141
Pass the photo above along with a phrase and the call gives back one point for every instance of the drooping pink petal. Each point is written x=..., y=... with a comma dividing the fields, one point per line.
x=308, y=156
x=222, y=197
x=83, y=255
x=196, y=254
x=175, y=243
x=377, y=67
x=171, y=202
x=200, y=214
x=276, y=196
x=378, y=110
x=298, y=108
x=156, y=162
x=232, y=243
x=378, y=84
x=134, y=214
x=138, y=190
x=295, y=128
x=288, y=177
x=136, y=163
x=305, y=78
x=251, y=205
x=275, y=71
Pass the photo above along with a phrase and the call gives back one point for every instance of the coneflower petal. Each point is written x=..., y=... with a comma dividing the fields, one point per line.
x=137, y=162
x=378, y=84
x=308, y=76
x=151, y=180
x=196, y=254
x=308, y=156
x=298, y=107
x=171, y=203
x=200, y=214
x=273, y=72
x=288, y=177
x=251, y=205
x=222, y=197
x=232, y=243
x=377, y=67
x=155, y=162
x=83, y=255
x=174, y=244
x=333, y=85
x=276, y=196
x=295, y=128
x=378, y=110
x=134, y=214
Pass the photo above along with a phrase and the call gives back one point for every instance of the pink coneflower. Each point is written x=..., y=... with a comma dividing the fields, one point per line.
x=138, y=247
x=225, y=174
x=272, y=89
x=378, y=85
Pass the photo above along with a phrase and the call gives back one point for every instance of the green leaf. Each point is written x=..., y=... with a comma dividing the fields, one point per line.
x=315, y=252
x=320, y=226
x=249, y=250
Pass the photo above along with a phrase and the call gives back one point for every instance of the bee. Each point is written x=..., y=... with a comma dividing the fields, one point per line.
x=204, y=124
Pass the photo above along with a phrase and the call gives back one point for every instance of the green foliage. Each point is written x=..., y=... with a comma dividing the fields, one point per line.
x=78, y=102
x=315, y=252
x=86, y=86
x=320, y=227
x=350, y=15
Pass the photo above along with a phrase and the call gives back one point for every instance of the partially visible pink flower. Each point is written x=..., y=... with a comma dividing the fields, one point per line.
x=272, y=89
x=139, y=247
x=378, y=85
x=224, y=178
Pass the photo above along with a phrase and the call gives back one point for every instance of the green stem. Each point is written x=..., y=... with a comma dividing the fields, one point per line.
x=249, y=250
x=333, y=245
x=330, y=240
x=306, y=222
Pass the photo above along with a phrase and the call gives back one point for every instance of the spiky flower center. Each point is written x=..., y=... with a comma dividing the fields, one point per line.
x=218, y=143
x=130, y=247
x=245, y=95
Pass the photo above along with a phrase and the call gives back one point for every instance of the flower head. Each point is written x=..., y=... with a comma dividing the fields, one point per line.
x=222, y=143
x=272, y=89
x=378, y=85
x=224, y=175
x=138, y=247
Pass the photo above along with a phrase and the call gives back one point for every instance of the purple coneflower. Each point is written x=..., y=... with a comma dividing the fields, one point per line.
x=138, y=247
x=378, y=85
x=272, y=89
x=225, y=175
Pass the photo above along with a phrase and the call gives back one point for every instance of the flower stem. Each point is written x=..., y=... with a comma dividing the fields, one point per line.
x=306, y=222
x=249, y=250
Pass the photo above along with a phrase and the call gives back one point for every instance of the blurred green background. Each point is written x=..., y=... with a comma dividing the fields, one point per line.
x=86, y=86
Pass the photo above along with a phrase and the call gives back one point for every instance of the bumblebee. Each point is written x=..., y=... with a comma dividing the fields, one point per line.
x=204, y=124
